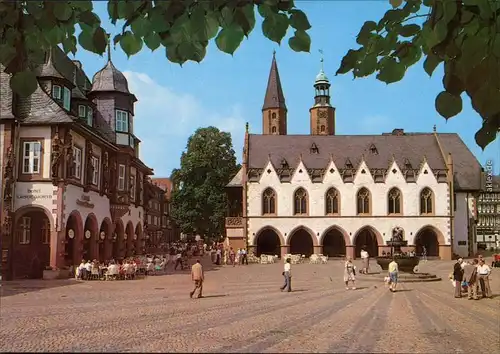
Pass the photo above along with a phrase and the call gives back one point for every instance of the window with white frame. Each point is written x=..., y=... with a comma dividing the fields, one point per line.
x=132, y=187
x=77, y=159
x=25, y=230
x=31, y=157
x=67, y=99
x=82, y=111
x=90, y=116
x=121, y=177
x=95, y=173
x=57, y=92
x=121, y=120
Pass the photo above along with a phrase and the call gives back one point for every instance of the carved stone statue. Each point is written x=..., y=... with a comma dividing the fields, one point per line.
x=8, y=174
x=89, y=167
x=140, y=189
x=70, y=159
x=105, y=172
x=56, y=155
x=397, y=234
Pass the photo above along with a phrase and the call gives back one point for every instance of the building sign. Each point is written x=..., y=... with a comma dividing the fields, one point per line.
x=35, y=194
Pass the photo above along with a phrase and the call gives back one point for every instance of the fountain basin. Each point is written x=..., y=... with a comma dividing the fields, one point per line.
x=406, y=264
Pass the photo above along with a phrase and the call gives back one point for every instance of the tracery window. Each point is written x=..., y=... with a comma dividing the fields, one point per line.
x=332, y=202
x=426, y=201
x=394, y=200
x=363, y=201
x=300, y=202
x=268, y=202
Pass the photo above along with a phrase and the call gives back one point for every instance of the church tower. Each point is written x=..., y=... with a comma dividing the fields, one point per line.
x=322, y=113
x=274, y=109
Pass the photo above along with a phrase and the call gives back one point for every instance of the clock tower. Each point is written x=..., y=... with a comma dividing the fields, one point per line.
x=322, y=113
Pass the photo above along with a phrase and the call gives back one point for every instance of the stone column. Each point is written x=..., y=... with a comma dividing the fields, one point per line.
x=318, y=249
x=251, y=249
x=285, y=250
x=349, y=250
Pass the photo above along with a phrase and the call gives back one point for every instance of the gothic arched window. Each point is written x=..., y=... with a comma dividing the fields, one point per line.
x=426, y=201
x=363, y=201
x=332, y=202
x=394, y=200
x=300, y=202
x=322, y=128
x=273, y=129
x=268, y=202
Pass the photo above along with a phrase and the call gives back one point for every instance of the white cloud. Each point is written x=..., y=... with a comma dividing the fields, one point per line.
x=164, y=119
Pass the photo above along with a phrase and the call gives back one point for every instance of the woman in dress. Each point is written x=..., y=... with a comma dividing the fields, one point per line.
x=349, y=274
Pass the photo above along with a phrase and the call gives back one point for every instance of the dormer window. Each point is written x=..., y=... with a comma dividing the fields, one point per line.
x=63, y=95
x=121, y=121
x=348, y=163
x=56, y=92
x=82, y=112
x=284, y=164
x=314, y=149
x=373, y=149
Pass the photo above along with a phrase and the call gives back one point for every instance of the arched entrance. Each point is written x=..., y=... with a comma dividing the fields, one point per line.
x=138, y=239
x=32, y=243
x=105, y=241
x=268, y=242
x=334, y=244
x=129, y=243
x=301, y=243
x=427, y=237
x=90, y=248
x=118, y=246
x=366, y=238
x=73, y=254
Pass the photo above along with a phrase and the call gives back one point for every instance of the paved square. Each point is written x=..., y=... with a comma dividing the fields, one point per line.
x=244, y=311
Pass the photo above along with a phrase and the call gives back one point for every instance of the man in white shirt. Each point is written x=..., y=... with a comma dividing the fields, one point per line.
x=483, y=276
x=244, y=257
x=80, y=270
x=88, y=270
x=287, y=274
x=365, y=258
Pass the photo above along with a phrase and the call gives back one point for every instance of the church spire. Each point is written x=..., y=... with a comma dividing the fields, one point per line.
x=109, y=47
x=274, y=93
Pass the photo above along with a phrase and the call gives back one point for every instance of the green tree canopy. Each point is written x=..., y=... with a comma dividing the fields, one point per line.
x=199, y=201
x=464, y=35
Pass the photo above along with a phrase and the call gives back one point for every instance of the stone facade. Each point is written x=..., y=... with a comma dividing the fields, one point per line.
x=334, y=194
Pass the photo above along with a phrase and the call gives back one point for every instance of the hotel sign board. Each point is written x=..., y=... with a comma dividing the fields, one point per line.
x=34, y=194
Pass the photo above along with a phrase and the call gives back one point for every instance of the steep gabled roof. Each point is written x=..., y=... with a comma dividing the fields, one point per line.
x=274, y=93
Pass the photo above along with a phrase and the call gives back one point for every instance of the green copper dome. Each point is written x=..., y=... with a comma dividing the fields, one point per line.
x=321, y=77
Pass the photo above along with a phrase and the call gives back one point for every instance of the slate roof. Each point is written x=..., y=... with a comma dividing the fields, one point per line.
x=274, y=93
x=108, y=79
x=378, y=152
x=5, y=95
x=237, y=179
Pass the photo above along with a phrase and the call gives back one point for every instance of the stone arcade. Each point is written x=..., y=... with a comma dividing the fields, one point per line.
x=333, y=194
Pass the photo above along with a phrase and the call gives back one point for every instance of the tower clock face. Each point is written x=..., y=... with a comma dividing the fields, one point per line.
x=322, y=114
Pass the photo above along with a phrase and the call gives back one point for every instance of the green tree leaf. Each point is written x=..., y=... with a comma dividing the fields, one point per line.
x=365, y=33
x=229, y=39
x=367, y=66
x=431, y=63
x=194, y=51
x=409, y=30
x=299, y=21
x=24, y=83
x=396, y=3
x=300, y=42
x=86, y=41
x=245, y=18
x=141, y=26
x=173, y=55
x=275, y=26
x=55, y=35
x=90, y=19
x=157, y=19
x=100, y=40
x=488, y=132
x=348, y=62
x=130, y=44
x=62, y=10
x=69, y=45
x=152, y=41
x=390, y=70
x=203, y=26
x=448, y=105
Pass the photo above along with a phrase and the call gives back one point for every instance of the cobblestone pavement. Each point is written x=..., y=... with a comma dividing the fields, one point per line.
x=244, y=311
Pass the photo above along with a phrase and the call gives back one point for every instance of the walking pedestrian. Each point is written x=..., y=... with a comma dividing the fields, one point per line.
x=287, y=275
x=393, y=275
x=483, y=274
x=365, y=258
x=349, y=274
x=197, y=276
x=470, y=279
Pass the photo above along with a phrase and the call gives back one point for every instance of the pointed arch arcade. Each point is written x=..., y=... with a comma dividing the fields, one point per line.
x=302, y=241
x=105, y=240
x=268, y=240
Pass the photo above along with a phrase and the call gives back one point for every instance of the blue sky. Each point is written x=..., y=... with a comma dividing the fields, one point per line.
x=227, y=91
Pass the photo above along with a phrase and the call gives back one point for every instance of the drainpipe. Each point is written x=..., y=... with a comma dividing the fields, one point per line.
x=451, y=175
x=15, y=147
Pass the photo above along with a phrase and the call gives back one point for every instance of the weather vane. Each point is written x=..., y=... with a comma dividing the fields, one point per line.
x=321, y=59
